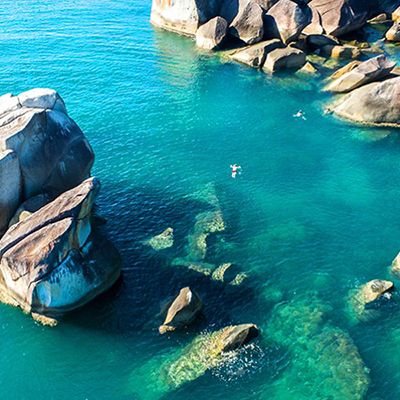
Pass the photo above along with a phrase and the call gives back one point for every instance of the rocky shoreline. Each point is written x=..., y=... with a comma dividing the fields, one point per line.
x=303, y=36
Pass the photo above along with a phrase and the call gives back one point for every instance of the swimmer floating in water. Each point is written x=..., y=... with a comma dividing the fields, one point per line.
x=235, y=170
x=300, y=114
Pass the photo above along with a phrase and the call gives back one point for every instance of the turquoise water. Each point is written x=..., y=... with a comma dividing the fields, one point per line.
x=314, y=214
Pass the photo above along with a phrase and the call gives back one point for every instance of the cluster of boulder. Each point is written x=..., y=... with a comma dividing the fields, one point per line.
x=301, y=35
x=52, y=256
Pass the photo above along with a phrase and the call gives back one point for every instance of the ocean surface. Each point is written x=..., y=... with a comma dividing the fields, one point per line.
x=314, y=214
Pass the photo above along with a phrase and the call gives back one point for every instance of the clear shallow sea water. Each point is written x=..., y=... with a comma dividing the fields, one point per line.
x=314, y=214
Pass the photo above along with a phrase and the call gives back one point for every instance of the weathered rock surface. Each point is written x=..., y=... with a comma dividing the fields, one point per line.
x=343, y=70
x=378, y=19
x=341, y=52
x=248, y=25
x=286, y=19
x=316, y=41
x=182, y=16
x=369, y=71
x=395, y=268
x=335, y=17
x=377, y=103
x=182, y=311
x=42, y=149
x=52, y=261
x=286, y=58
x=308, y=68
x=231, y=8
x=255, y=55
x=210, y=35
x=30, y=206
x=162, y=241
x=396, y=15
x=393, y=34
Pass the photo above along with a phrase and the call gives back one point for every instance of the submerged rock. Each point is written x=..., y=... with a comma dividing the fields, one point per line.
x=219, y=273
x=363, y=297
x=210, y=35
x=286, y=19
x=371, y=70
x=287, y=58
x=319, y=352
x=162, y=241
x=182, y=311
x=206, y=352
x=377, y=103
x=52, y=261
x=43, y=150
x=395, y=268
x=255, y=55
x=248, y=25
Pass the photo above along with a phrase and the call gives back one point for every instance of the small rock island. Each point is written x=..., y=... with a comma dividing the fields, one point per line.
x=53, y=258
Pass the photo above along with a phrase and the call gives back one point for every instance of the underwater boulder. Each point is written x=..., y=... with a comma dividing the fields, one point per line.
x=182, y=311
x=162, y=241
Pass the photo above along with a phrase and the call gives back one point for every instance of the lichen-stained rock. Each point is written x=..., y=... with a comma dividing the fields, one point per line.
x=286, y=19
x=210, y=35
x=183, y=16
x=377, y=103
x=52, y=261
x=182, y=311
x=248, y=25
x=343, y=70
x=255, y=55
x=286, y=58
x=393, y=34
x=369, y=71
x=335, y=17
x=52, y=152
x=10, y=187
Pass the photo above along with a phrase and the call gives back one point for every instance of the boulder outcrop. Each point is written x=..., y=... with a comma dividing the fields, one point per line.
x=255, y=55
x=286, y=58
x=286, y=19
x=182, y=311
x=335, y=17
x=248, y=25
x=369, y=71
x=52, y=261
x=376, y=103
x=41, y=149
x=210, y=35
x=393, y=34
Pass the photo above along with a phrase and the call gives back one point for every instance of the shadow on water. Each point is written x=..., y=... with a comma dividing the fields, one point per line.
x=148, y=279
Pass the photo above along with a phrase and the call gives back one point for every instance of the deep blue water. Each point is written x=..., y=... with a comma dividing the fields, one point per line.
x=314, y=213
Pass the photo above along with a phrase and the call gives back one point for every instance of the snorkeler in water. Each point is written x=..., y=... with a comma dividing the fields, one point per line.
x=300, y=114
x=235, y=170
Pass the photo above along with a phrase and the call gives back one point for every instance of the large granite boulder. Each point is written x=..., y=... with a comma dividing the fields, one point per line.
x=182, y=311
x=183, y=16
x=53, y=261
x=396, y=15
x=248, y=25
x=345, y=52
x=369, y=71
x=335, y=17
x=286, y=19
x=231, y=8
x=210, y=35
x=41, y=149
x=255, y=55
x=286, y=58
x=377, y=103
